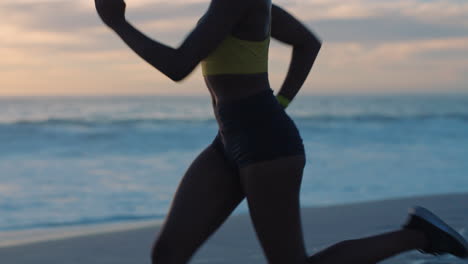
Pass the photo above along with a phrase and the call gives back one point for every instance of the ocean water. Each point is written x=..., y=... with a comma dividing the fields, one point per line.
x=67, y=161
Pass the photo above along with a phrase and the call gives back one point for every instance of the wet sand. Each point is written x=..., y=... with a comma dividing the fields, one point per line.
x=235, y=242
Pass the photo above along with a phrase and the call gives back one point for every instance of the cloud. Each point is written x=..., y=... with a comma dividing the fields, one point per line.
x=66, y=16
x=445, y=12
x=368, y=44
x=170, y=21
x=57, y=16
x=394, y=66
x=373, y=30
x=74, y=26
x=436, y=11
x=12, y=35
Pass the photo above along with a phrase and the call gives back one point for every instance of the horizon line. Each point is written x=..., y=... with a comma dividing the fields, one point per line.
x=318, y=93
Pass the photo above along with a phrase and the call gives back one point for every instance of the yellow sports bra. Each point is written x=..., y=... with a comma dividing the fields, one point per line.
x=237, y=56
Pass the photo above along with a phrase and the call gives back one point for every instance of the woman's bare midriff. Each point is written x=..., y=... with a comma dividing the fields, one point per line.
x=228, y=88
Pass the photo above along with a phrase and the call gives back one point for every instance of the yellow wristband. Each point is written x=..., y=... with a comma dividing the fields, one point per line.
x=283, y=100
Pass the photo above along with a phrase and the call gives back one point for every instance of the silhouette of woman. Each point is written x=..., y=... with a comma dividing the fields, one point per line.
x=258, y=153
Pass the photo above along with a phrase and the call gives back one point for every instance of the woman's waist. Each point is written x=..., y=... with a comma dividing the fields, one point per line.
x=257, y=109
x=232, y=88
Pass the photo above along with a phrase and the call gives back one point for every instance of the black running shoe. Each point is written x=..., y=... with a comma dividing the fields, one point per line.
x=442, y=238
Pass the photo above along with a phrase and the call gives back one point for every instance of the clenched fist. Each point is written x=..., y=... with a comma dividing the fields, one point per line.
x=112, y=12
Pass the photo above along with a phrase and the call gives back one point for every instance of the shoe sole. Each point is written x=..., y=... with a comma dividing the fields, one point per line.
x=431, y=218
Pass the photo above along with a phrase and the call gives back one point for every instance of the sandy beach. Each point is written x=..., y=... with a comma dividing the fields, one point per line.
x=235, y=241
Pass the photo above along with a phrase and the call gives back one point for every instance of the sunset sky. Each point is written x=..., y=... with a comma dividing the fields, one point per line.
x=60, y=47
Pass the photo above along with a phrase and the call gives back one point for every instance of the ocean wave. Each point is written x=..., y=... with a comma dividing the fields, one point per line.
x=93, y=122
x=81, y=222
x=90, y=122
x=382, y=117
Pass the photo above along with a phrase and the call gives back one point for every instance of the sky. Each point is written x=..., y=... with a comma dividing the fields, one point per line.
x=60, y=47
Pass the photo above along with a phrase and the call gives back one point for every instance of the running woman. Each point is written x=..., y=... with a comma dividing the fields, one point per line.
x=258, y=152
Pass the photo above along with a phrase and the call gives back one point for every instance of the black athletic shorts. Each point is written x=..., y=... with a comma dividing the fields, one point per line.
x=254, y=129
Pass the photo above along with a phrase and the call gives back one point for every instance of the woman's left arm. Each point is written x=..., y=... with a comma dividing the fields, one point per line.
x=218, y=22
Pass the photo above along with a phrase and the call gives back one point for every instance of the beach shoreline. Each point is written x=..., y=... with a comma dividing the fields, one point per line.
x=235, y=241
x=11, y=238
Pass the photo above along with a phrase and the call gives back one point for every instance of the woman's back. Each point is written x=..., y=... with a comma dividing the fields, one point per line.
x=241, y=77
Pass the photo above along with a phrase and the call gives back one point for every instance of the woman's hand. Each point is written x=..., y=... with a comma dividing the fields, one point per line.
x=112, y=12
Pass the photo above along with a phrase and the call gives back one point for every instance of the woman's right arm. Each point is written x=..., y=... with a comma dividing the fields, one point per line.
x=176, y=63
x=306, y=46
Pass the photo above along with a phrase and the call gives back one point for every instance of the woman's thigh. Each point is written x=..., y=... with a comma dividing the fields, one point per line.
x=209, y=191
x=272, y=191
